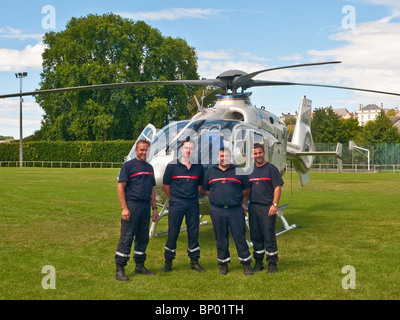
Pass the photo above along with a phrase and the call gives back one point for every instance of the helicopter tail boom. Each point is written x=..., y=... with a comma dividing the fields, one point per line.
x=301, y=149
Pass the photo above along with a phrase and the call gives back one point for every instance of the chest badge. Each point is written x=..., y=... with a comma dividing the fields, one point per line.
x=223, y=181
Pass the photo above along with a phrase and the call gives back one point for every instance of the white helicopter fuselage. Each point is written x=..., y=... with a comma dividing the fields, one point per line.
x=233, y=122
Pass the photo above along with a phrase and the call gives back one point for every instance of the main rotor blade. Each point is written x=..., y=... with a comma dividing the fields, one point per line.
x=242, y=80
x=266, y=83
x=214, y=82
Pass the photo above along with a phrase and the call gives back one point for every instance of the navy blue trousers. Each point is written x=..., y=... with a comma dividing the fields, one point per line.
x=136, y=228
x=179, y=208
x=262, y=232
x=232, y=218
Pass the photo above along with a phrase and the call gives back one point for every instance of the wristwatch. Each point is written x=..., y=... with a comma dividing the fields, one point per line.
x=275, y=205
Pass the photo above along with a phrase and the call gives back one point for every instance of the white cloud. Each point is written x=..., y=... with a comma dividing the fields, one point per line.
x=9, y=117
x=370, y=60
x=216, y=55
x=9, y=32
x=171, y=14
x=213, y=63
x=369, y=56
x=15, y=60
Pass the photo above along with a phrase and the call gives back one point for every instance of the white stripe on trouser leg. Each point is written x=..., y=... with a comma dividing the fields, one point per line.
x=122, y=254
x=193, y=250
x=168, y=249
x=138, y=253
x=260, y=252
x=246, y=259
x=224, y=261
x=271, y=253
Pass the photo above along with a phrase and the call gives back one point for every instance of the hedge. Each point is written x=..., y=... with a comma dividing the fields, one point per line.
x=77, y=151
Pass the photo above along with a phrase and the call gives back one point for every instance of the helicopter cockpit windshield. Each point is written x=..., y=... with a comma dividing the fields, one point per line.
x=165, y=137
x=210, y=135
x=160, y=139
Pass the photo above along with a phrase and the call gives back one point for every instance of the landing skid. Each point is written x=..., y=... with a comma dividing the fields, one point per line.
x=286, y=226
x=164, y=212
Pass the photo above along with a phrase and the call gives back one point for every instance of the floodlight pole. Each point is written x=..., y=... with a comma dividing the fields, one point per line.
x=19, y=76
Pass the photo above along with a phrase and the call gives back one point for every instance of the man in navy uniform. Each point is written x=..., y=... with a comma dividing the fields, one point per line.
x=265, y=192
x=227, y=190
x=136, y=195
x=182, y=183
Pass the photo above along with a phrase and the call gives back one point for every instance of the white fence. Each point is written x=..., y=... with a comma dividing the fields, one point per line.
x=62, y=164
x=330, y=167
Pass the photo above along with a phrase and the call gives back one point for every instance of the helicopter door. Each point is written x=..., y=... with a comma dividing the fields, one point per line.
x=148, y=134
x=274, y=151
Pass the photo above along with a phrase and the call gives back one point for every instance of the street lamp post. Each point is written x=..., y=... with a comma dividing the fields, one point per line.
x=19, y=76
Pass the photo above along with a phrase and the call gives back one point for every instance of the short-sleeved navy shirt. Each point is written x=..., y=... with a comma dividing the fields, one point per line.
x=225, y=187
x=139, y=176
x=183, y=182
x=263, y=181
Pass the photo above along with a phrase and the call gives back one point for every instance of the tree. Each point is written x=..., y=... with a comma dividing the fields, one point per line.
x=381, y=130
x=349, y=130
x=325, y=125
x=110, y=49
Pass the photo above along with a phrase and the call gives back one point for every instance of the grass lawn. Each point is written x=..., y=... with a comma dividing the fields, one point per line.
x=70, y=219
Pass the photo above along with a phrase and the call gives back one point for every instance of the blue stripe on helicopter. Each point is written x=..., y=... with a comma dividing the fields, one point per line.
x=233, y=97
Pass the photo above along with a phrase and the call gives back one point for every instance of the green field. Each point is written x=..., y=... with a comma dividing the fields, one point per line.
x=70, y=219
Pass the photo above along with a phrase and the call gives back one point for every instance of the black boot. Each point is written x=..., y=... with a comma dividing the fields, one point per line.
x=120, y=274
x=248, y=271
x=223, y=269
x=194, y=264
x=141, y=269
x=167, y=266
x=272, y=267
x=259, y=266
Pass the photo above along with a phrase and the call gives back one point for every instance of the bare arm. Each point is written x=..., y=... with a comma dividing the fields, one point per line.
x=125, y=215
x=165, y=188
x=277, y=195
x=246, y=194
x=154, y=205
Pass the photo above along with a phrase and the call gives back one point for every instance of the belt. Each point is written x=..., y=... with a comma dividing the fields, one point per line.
x=227, y=207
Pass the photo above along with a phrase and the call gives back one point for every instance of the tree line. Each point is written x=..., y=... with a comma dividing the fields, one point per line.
x=326, y=126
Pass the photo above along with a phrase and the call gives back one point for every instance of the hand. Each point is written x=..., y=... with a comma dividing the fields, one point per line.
x=155, y=215
x=244, y=208
x=272, y=211
x=125, y=215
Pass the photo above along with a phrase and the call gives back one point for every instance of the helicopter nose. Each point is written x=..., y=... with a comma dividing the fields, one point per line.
x=159, y=164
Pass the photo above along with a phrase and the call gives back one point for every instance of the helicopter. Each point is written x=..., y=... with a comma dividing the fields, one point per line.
x=233, y=122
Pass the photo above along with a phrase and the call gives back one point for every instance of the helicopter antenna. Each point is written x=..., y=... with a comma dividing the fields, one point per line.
x=199, y=106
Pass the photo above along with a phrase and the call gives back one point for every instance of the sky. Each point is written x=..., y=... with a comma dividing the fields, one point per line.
x=246, y=35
